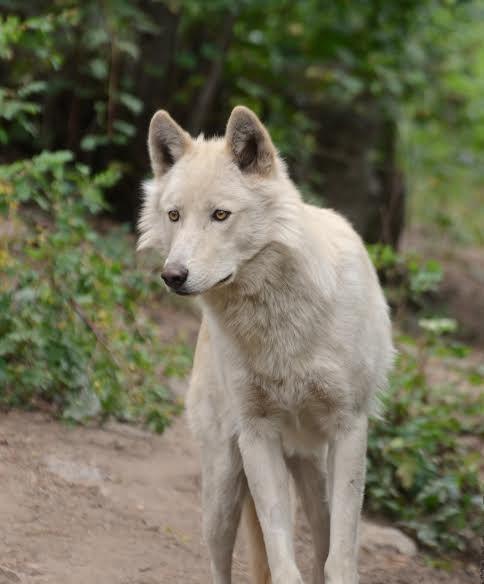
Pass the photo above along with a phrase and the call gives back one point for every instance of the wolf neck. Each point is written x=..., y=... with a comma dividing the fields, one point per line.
x=267, y=312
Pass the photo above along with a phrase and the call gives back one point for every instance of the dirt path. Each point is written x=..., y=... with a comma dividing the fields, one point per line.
x=121, y=506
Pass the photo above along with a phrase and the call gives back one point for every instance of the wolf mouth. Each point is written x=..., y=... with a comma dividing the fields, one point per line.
x=182, y=292
x=223, y=280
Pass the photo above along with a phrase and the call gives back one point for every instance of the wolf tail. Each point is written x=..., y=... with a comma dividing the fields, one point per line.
x=259, y=566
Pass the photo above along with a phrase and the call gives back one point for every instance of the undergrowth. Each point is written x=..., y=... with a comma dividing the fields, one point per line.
x=423, y=464
x=72, y=331
x=422, y=472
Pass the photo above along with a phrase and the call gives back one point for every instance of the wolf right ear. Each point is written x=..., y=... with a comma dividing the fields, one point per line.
x=167, y=142
x=249, y=142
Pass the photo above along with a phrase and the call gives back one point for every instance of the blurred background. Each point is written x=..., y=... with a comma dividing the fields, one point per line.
x=378, y=108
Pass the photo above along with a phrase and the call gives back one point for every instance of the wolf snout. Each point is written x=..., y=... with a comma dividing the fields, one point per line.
x=174, y=275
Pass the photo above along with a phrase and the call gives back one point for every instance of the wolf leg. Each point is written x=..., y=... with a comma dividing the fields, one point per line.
x=347, y=461
x=311, y=481
x=268, y=481
x=224, y=488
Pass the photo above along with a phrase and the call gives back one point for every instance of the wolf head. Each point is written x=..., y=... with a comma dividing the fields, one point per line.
x=213, y=205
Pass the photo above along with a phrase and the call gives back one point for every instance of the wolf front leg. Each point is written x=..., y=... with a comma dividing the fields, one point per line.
x=347, y=462
x=268, y=480
x=223, y=492
x=310, y=477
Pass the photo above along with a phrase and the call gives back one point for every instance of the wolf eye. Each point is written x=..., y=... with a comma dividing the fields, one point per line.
x=220, y=215
x=174, y=215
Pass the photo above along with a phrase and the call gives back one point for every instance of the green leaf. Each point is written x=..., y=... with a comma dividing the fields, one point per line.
x=438, y=326
x=134, y=104
x=83, y=406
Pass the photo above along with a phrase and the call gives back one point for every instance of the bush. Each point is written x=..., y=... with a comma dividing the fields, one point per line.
x=421, y=471
x=68, y=329
x=409, y=280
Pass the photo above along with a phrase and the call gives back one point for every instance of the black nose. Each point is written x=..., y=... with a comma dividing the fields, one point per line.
x=174, y=275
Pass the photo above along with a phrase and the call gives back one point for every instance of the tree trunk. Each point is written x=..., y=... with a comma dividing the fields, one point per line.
x=356, y=156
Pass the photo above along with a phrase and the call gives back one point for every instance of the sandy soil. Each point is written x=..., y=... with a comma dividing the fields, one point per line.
x=120, y=505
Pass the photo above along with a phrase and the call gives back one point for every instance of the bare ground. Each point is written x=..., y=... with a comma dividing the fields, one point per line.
x=120, y=505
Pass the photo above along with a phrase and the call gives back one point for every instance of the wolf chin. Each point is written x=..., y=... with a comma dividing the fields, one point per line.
x=294, y=346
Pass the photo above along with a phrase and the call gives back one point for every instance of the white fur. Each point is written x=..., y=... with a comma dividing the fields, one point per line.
x=291, y=354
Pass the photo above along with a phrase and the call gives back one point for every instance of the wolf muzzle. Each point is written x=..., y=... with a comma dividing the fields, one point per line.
x=174, y=276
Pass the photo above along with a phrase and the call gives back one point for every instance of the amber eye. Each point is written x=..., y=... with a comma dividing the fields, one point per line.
x=174, y=215
x=220, y=215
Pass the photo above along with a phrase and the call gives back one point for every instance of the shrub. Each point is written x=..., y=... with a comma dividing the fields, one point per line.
x=409, y=280
x=69, y=335
x=421, y=472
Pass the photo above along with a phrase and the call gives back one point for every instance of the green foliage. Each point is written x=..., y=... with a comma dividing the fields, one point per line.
x=103, y=70
x=72, y=333
x=80, y=50
x=21, y=41
x=421, y=471
x=70, y=299
x=408, y=278
x=442, y=129
x=438, y=326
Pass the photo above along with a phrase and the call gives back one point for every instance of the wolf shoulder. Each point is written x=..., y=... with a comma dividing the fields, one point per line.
x=342, y=264
x=340, y=252
x=331, y=229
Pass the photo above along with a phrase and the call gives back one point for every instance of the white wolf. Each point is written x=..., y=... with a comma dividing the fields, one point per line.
x=294, y=345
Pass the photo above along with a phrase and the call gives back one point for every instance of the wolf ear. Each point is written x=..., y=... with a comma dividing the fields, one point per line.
x=167, y=142
x=249, y=142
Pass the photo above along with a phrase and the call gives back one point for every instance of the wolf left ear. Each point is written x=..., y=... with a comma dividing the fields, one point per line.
x=167, y=142
x=249, y=142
